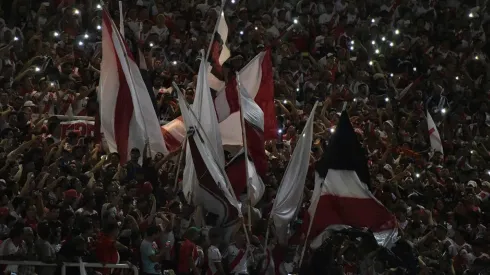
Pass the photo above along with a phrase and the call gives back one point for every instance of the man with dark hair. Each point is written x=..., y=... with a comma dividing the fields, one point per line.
x=107, y=246
x=150, y=256
x=214, y=256
x=188, y=252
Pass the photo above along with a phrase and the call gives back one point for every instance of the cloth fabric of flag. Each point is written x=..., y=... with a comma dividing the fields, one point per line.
x=128, y=119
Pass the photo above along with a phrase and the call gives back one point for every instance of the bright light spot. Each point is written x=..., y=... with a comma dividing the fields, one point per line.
x=285, y=102
x=297, y=89
x=241, y=32
x=279, y=131
x=443, y=110
x=233, y=1
x=472, y=152
x=99, y=27
x=174, y=62
x=387, y=99
x=256, y=28
x=471, y=15
x=99, y=6
x=351, y=48
x=417, y=175
x=76, y=11
x=86, y=36
x=392, y=44
x=56, y=34
x=370, y=63
x=373, y=20
x=373, y=42
x=391, y=75
x=383, y=38
x=332, y=130
x=397, y=31
x=304, y=134
x=352, y=42
x=414, y=69
x=457, y=78
x=16, y=38
x=377, y=51
x=488, y=172
x=151, y=44
x=37, y=69
x=295, y=21
x=80, y=43
x=52, y=84
x=477, y=57
x=355, y=99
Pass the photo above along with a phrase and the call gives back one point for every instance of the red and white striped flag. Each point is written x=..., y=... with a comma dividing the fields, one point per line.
x=257, y=79
x=127, y=116
x=219, y=51
x=435, y=138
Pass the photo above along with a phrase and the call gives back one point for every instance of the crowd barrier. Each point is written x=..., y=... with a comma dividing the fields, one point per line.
x=66, y=264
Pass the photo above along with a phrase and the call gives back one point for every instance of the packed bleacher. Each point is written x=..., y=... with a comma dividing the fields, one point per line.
x=364, y=117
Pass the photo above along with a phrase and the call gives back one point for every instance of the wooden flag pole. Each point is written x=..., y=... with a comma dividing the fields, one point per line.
x=181, y=155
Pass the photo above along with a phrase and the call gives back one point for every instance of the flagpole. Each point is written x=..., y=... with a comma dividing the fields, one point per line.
x=245, y=150
x=121, y=19
x=223, y=2
x=181, y=155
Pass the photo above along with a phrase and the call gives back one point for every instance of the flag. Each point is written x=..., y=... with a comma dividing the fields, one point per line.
x=219, y=51
x=203, y=107
x=174, y=134
x=257, y=79
x=435, y=138
x=290, y=194
x=83, y=127
x=248, y=172
x=127, y=115
x=214, y=195
x=341, y=191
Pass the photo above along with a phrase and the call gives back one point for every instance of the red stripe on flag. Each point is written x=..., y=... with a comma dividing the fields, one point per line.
x=256, y=148
x=124, y=104
x=265, y=98
x=236, y=174
x=232, y=95
x=356, y=212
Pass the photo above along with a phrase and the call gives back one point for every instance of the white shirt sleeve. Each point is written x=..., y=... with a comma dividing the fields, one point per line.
x=214, y=255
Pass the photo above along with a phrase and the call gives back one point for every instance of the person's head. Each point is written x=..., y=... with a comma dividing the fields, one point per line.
x=16, y=234
x=441, y=232
x=28, y=235
x=192, y=234
x=114, y=158
x=112, y=229
x=135, y=154
x=153, y=233
x=215, y=236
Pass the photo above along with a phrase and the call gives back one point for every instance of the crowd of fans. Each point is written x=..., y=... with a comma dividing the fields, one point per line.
x=65, y=199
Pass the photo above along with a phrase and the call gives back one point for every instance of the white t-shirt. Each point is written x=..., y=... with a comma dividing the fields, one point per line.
x=9, y=248
x=214, y=256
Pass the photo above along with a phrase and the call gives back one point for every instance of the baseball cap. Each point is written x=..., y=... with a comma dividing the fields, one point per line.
x=71, y=193
x=29, y=103
x=472, y=183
